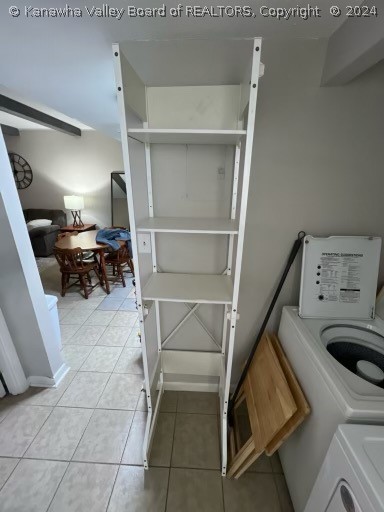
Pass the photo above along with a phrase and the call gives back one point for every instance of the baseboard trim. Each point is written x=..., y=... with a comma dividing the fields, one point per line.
x=61, y=373
x=40, y=381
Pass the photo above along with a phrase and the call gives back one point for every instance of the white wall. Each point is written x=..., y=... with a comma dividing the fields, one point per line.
x=63, y=164
x=318, y=166
x=22, y=298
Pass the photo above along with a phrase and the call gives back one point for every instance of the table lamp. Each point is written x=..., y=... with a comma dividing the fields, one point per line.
x=75, y=204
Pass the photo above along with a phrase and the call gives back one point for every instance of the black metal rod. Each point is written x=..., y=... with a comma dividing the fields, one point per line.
x=291, y=259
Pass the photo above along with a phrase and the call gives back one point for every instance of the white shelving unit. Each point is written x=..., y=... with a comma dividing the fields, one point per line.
x=166, y=136
x=196, y=288
x=187, y=225
x=187, y=139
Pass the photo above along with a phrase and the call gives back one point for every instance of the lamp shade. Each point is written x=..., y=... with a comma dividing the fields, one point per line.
x=74, y=202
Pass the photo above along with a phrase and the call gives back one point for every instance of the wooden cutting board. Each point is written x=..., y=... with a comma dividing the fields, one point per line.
x=303, y=408
x=269, y=398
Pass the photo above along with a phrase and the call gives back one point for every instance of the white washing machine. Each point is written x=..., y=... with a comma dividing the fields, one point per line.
x=351, y=478
x=335, y=394
x=338, y=361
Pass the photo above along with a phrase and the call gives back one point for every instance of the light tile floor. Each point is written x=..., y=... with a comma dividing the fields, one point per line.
x=78, y=447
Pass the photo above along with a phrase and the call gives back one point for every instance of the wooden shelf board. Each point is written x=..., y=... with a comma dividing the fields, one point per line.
x=168, y=136
x=196, y=288
x=189, y=225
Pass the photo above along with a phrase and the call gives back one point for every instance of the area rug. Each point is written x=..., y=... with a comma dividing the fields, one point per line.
x=45, y=263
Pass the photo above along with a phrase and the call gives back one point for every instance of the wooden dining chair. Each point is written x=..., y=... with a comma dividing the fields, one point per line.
x=88, y=255
x=118, y=260
x=73, y=266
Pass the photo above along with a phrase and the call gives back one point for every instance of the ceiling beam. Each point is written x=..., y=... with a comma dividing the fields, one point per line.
x=355, y=47
x=36, y=116
x=9, y=130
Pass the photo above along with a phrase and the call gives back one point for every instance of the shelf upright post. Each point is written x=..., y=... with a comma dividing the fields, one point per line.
x=153, y=237
x=147, y=151
x=119, y=62
x=235, y=181
x=235, y=187
x=253, y=88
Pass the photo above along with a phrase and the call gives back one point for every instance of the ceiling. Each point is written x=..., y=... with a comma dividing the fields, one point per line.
x=66, y=64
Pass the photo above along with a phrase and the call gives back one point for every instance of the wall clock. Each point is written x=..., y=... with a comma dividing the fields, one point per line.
x=22, y=171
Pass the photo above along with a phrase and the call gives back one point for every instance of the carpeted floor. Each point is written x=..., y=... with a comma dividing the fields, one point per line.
x=45, y=263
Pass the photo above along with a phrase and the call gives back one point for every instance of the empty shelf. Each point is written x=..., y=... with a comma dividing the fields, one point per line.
x=168, y=136
x=201, y=288
x=189, y=225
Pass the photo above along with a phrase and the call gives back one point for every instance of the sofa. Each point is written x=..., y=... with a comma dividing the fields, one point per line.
x=43, y=238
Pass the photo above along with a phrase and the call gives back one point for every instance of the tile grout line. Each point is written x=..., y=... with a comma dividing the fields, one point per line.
x=126, y=441
x=125, y=342
x=130, y=427
x=132, y=465
x=169, y=479
x=78, y=327
x=89, y=355
x=277, y=491
x=76, y=310
x=222, y=490
x=9, y=476
x=85, y=407
x=121, y=373
x=104, y=388
x=118, y=359
x=82, y=435
x=86, y=357
x=105, y=327
x=113, y=487
x=38, y=432
x=57, y=488
x=173, y=444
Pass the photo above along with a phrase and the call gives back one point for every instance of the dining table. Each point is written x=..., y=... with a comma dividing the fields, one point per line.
x=86, y=241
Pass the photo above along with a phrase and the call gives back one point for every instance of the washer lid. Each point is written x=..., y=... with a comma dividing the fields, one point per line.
x=339, y=277
x=364, y=447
